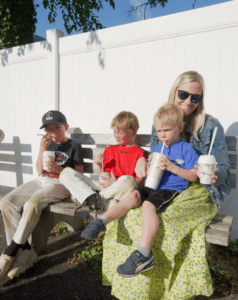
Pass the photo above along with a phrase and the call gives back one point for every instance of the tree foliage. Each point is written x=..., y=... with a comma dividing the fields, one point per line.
x=18, y=17
x=17, y=22
x=78, y=15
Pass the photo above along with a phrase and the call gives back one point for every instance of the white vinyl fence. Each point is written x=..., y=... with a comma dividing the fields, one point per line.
x=92, y=76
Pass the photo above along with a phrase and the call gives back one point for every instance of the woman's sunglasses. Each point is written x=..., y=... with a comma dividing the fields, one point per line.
x=183, y=95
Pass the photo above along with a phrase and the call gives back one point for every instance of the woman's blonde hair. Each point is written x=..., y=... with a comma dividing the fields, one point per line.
x=198, y=116
x=169, y=114
x=126, y=120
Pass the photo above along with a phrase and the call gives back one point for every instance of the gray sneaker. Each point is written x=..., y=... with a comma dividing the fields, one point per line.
x=93, y=229
x=98, y=203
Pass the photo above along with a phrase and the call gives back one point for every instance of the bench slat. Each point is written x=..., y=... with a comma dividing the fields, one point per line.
x=226, y=219
x=231, y=143
x=141, y=139
x=65, y=207
x=232, y=180
x=94, y=139
x=69, y=208
x=217, y=237
x=233, y=161
x=107, y=139
x=219, y=225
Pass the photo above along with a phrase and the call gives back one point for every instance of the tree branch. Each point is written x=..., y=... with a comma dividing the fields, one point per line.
x=194, y=3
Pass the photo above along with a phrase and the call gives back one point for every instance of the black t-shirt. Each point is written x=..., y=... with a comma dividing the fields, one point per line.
x=68, y=154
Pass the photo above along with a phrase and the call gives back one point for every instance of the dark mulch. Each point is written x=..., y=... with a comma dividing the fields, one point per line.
x=53, y=277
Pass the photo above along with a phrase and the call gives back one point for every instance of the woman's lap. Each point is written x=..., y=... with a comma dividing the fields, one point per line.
x=181, y=269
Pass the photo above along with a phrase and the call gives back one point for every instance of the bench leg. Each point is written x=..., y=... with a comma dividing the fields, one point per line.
x=72, y=224
x=207, y=248
x=46, y=223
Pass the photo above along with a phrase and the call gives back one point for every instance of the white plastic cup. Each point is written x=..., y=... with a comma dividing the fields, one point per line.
x=47, y=156
x=103, y=176
x=206, y=164
x=155, y=173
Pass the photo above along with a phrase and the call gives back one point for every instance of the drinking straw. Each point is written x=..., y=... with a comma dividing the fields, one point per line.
x=102, y=162
x=162, y=148
x=213, y=138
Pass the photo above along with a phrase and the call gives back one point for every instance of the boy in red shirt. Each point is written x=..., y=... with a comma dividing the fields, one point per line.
x=119, y=163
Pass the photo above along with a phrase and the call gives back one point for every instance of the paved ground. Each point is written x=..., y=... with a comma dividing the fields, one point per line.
x=52, y=277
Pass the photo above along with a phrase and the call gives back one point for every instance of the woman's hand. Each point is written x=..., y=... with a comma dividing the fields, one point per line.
x=54, y=167
x=107, y=181
x=45, y=141
x=214, y=177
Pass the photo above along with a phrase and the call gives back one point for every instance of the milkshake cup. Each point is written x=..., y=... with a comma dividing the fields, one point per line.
x=155, y=173
x=102, y=177
x=47, y=156
x=206, y=164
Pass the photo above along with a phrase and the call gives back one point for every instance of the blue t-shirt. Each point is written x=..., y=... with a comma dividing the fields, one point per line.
x=183, y=155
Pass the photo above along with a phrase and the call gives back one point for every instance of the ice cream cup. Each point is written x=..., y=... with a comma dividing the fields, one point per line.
x=103, y=176
x=47, y=156
x=206, y=164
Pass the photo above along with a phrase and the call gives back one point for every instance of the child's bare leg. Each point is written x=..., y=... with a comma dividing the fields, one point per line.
x=115, y=212
x=150, y=226
x=142, y=259
x=122, y=207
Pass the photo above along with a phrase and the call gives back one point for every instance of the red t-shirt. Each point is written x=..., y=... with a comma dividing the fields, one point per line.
x=122, y=160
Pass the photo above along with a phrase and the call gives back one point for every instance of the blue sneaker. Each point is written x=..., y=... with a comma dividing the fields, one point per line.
x=93, y=229
x=135, y=264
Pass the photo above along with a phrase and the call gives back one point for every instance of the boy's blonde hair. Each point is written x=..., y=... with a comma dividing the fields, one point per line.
x=169, y=114
x=126, y=120
x=198, y=116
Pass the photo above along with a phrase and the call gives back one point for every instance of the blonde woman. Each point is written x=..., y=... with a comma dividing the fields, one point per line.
x=181, y=269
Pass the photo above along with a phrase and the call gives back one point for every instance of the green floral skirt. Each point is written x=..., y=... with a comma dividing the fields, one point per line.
x=181, y=270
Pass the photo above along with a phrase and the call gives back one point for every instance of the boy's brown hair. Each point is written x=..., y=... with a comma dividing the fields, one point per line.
x=169, y=114
x=126, y=120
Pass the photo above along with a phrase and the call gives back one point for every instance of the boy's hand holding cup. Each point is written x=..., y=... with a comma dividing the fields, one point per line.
x=47, y=157
x=155, y=172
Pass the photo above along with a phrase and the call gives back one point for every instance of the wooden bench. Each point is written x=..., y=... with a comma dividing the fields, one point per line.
x=218, y=232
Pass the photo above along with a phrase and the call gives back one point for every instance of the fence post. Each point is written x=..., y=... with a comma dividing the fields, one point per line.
x=53, y=65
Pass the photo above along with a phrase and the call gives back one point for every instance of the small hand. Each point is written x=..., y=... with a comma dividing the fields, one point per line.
x=107, y=181
x=54, y=167
x=166, y=164
x=214, y=177
x=141, y=167
x=98, y=159
x=45, y=141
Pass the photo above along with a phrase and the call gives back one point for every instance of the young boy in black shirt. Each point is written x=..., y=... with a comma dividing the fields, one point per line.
x=35, y=195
